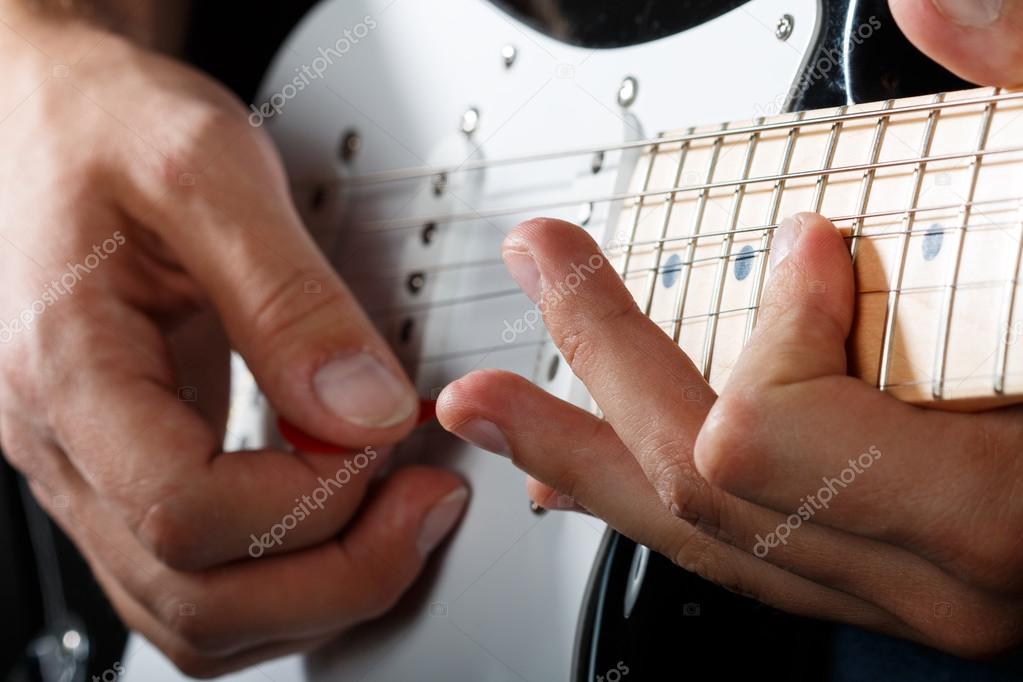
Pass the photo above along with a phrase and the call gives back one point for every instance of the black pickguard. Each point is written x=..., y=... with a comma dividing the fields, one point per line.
x=607, y=23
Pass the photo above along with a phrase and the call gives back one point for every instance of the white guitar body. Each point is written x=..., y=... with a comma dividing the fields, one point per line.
x=503, y=598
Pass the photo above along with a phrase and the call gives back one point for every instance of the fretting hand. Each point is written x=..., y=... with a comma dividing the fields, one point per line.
x=798, y=485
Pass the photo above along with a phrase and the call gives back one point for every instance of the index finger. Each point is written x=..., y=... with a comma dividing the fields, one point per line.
x=653, y=396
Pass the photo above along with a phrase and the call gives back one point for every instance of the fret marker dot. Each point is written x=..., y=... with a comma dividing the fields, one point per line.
x=933, y=238
x=744, y=263
x=669, y=273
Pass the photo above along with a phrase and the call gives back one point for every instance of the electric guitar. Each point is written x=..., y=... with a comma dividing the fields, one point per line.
x=418, y=134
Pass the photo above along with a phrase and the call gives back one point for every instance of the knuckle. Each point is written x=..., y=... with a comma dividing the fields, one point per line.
x=670, y=473
x=217, y=132
x=575, y=333
x=284, y=311
x=20, y=455
x=381, y=581
x=381, y=595
x=194, y=665
x=170, y=538
x=194, y=627
x=574, y=347
x=202, y=124
x=973, y=633
x=993, y=562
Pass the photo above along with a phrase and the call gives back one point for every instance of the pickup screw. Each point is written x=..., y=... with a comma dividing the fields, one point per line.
x=508, y=54
x=415, y=283
x=627, y=91
x=783, y=29
x=440, y=183
x=351, y=143
x=470, y=120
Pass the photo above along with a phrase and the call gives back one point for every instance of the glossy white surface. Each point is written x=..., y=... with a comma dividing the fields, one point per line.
x=502, y=601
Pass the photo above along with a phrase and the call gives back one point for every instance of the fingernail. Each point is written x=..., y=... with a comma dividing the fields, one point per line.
x=359, y=389
x=523, y=270
x=440, y=520
x=784, y=239
x=484, y=434
x=972, y=13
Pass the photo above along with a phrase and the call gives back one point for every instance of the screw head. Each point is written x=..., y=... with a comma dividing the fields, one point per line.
x=553, y=366
x=585, y=213
x=470, y=120
x=415, y=282
x=351, y=143
x=783, y=29
x=508, y=54
x=440, y=183
x=71, y=640
x=408, y=326
x=627, y=91
x=428, y=233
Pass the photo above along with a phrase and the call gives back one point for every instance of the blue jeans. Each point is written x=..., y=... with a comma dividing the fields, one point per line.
x=859, y=656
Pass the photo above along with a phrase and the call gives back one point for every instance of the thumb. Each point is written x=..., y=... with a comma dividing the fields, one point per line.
x=807, y=308
x=311, y=348
x=978, y=40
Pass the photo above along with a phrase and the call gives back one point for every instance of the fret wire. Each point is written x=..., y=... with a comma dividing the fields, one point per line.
x=891, y=313
x=1002, y=351
x=868, y=176
x=829, y=158
x=659, y=248
x=418, y=222
x=694, y=233
x=945, y=324
x=767, y=239
x=710, y=336
x=639, y=210
x=483, y=164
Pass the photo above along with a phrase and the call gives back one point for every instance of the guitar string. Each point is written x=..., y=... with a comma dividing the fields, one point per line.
x=418, y=309
x=388, y=225
x=403, y=273
x=413, y=173
x=488, y=350
x=696, y=317
x=820, y=174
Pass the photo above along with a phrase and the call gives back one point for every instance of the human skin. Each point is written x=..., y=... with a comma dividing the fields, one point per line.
x=145, y=228
x=925, y=544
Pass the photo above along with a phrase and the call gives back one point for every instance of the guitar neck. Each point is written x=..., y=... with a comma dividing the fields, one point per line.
x=927, y=192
